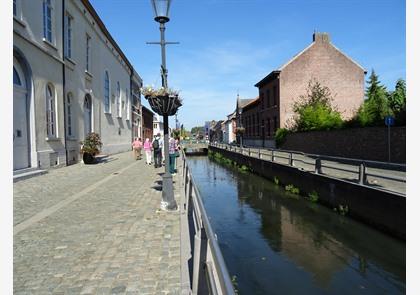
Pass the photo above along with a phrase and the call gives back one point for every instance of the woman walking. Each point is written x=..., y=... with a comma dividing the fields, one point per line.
x=147, y=146
x=137, y=148
x=172, y=155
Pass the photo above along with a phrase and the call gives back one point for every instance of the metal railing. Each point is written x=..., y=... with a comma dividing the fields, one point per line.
x=356, y=170
x=209, y=271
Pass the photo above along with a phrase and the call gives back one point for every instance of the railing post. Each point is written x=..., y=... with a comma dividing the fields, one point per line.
x=200, y=253
x=291, y=159
x=362, y=173
x=249, y=152
x=272, y=155
x=259, y=153
x=318, y=166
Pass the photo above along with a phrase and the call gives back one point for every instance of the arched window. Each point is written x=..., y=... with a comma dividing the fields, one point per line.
x=69, y=114
x=106, y=93
x=16, y=78
x=50, y=99
x=118, y=100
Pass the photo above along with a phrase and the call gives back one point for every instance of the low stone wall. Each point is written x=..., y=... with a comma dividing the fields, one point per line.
x=369, y=143
x=380, y=209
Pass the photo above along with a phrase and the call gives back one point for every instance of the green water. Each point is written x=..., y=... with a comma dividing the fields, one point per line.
x=278, y=243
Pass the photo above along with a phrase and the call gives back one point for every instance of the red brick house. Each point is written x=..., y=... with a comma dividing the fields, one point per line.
x=322, y=61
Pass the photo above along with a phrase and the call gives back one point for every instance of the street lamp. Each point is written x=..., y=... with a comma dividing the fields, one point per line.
x=166, y=104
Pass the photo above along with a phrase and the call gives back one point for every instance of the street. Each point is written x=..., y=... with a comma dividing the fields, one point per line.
x=95, y=229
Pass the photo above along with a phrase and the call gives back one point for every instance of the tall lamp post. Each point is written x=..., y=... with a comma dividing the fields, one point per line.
x=165, y=105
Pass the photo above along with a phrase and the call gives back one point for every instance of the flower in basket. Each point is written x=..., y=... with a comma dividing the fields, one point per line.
x=92, y=144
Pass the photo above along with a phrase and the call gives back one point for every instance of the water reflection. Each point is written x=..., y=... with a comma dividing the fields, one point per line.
x=272, y=240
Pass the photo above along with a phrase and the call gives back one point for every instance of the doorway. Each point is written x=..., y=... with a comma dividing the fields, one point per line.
x=87, y=114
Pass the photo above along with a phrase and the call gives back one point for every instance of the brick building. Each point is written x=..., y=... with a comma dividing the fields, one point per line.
x=147, y=126
x=322, y=61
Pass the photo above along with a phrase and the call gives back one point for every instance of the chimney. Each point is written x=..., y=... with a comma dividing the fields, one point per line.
x=320, y=37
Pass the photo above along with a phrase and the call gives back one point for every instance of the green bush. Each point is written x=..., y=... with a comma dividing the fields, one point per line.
x=280, y=136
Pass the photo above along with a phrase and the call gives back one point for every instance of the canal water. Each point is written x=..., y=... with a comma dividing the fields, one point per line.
x=276, y=243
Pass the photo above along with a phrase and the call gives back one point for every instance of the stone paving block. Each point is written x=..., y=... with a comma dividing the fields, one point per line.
x=113, y=239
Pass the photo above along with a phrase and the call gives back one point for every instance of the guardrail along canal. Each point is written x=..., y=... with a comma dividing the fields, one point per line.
x=274, y=242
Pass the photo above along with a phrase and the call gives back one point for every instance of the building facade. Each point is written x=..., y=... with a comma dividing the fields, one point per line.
x=147, y=124
x=70, y=79
x=320, y=61
x=157, y=126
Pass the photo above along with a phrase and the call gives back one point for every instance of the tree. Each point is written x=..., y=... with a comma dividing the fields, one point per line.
x=397, y=101
x=314, y=110
x=197, y=129
x=375, y=107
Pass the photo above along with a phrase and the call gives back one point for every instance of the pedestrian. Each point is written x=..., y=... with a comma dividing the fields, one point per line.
x=147, y=146
x=157, y=152
x=162, y=148
x=137, y=145
x=172, y=155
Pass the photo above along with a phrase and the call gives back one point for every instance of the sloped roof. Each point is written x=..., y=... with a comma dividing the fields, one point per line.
x=282, y=67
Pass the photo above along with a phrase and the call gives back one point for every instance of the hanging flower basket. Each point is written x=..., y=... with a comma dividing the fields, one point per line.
x=162, y=101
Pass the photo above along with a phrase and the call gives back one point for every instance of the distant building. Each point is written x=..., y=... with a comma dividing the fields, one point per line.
x=157, y=125
x=147, y=124
x=278, y=91
x=230, y=128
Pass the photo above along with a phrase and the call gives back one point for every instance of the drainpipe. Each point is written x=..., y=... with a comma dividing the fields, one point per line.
x=64, y=82
x=129, y=99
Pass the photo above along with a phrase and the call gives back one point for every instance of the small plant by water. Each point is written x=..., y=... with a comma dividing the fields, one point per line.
x=276, y=180
x=342, y=209
x=292, y=189
x=313, y=196
x=235, y=284
x=243, y=168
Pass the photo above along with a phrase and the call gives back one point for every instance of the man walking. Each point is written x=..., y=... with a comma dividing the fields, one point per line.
x=157, y=151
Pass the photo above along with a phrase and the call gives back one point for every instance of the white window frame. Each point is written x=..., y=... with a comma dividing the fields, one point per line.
x=69, y=102
x=88, y=51
x=48, y=5
x=127, y=104
x=51, y=118
x=118, y=100
x=68, y=35
x=107, y=102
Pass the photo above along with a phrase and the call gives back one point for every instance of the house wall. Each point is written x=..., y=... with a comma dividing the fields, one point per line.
x=147, y=125
x=269, y=109
x=115, y=130
x=46, y=61
x=44, y=66
x=331, y=68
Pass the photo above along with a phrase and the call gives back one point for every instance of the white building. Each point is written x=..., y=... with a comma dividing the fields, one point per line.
x=157, y=126
x=70, y=78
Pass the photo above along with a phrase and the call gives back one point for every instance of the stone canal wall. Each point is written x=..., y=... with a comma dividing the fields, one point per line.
x=380, y=209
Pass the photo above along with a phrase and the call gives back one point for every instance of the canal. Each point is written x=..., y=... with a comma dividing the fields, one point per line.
x=274, y=242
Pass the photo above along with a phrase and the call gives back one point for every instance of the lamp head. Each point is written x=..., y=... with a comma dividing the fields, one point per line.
x=161, y=10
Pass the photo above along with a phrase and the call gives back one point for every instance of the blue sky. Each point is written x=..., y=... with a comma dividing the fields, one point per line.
x=226, y=46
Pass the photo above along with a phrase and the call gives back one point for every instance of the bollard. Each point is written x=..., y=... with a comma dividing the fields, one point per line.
x=259, y=154
x=362, y=173
x=272, y=155
x=249, y=152
x=290, y=159
x=318, y=169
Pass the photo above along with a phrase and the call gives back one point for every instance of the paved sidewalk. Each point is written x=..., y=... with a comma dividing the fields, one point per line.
x=95, y=229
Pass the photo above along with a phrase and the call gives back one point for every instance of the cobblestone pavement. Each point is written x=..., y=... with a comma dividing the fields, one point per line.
x=95, y=229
